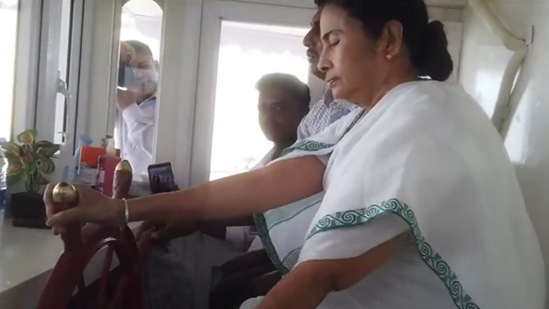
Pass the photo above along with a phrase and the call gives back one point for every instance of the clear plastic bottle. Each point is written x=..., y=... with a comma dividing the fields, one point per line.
x=110, y=147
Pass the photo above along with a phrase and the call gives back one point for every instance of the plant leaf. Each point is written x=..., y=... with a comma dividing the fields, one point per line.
x=27, y=137
x=14, y=174
x=44, y=143
x=46, y=165
x=14, y=169
x=11, y=147
x=26, y=153
x=46, y=148
x=30, y=160
x=12, y=158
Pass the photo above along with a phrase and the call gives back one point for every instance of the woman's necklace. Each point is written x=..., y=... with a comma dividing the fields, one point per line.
x=355, y=121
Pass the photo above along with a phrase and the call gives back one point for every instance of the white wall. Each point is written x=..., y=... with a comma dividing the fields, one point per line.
x=483, y=60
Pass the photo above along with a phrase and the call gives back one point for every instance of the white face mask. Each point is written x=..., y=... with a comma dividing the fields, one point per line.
x=148, y=81
x=147, y=75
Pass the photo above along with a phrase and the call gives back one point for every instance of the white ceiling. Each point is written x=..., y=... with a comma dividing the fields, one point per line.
x=8, y=3
x=147, y=8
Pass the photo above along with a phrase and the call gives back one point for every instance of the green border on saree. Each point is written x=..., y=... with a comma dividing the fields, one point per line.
x=432, y=259
x=305, y=145
x=268, y=245
x=259, y=220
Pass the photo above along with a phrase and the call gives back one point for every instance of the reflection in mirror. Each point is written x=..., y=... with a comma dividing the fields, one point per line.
x=137, y=83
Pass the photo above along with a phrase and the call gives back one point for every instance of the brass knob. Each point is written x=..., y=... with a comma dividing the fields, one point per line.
x=124, y=165
x=64, y=193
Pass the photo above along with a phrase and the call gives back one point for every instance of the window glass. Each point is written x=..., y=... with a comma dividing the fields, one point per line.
x=246, y=53
x=64, y=64
x=8, y=37
x=138, y=82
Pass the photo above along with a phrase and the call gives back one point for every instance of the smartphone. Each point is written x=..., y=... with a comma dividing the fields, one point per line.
x=126, y=76
x=161, y=178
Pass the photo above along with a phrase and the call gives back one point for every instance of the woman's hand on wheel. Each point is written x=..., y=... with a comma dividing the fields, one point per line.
x=91, y=206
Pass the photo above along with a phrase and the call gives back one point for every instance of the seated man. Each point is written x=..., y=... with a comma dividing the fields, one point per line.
x=283, y=102
x=179, y=273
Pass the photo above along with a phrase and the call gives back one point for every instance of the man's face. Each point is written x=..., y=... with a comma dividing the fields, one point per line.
x=146, y=73
x=279, y=115
x=314, y=45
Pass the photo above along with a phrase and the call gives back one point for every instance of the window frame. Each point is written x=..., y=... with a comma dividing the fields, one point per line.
x=102, y=31
x=37, y=76
x=185, y=102
x=265, y=12
x=213, y=14
x=48, y=72
x=26, y=66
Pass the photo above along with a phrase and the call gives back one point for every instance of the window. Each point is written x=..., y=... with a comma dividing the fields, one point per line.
x=61, y=100
x=57, y=70
x=247, y=52
x=8, y=37
x=142, y=21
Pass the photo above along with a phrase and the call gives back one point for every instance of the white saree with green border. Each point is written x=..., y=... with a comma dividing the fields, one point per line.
x=426, y=160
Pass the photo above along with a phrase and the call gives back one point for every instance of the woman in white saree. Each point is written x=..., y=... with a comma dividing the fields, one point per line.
x=422, y=208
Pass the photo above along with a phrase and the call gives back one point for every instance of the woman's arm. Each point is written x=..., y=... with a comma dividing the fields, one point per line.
x=218, y=229
x=228, y=198
x=306, y=286
x=236, y=196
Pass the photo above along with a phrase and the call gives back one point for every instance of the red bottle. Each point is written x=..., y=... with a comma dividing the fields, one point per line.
x=105, y=173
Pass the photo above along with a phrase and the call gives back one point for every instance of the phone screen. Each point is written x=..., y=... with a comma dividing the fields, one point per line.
x=126, y=76
x=161, y=178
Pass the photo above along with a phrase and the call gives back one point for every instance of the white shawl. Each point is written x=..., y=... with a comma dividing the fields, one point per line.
x=425, y=159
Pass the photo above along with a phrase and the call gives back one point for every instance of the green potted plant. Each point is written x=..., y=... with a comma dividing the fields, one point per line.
x=29, y=161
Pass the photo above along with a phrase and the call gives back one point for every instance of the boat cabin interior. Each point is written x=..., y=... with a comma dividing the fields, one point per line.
x=143, y=98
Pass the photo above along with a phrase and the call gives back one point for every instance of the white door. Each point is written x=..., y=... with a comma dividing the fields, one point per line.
x=240, y=43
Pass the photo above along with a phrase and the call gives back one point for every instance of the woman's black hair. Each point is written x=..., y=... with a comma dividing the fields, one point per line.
x=426, y=41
